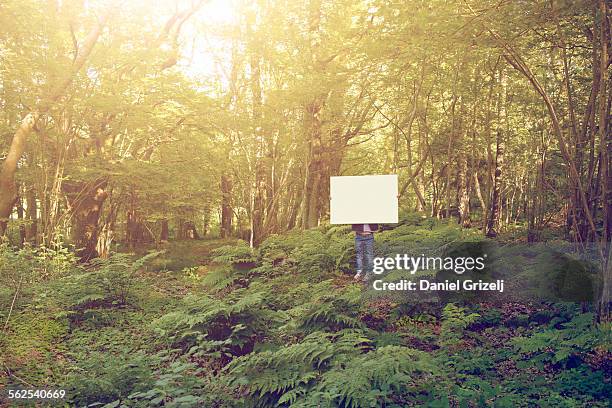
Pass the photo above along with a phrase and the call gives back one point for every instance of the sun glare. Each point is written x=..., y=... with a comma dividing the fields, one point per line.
x=218, y=12
x=206, y=53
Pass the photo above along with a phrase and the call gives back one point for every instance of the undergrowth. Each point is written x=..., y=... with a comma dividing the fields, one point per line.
x=286, y=326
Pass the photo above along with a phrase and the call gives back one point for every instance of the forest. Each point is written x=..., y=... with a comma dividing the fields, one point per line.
x=165, y=235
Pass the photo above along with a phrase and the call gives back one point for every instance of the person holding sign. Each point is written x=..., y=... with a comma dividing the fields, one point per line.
x=364, y=202
x=364, y=248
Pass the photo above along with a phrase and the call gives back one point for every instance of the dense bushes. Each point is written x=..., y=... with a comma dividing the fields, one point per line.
x=284, y=326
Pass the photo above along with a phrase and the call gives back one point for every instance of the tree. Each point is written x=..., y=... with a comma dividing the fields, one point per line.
x=8, y=189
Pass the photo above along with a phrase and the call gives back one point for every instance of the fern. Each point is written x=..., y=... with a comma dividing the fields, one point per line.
x=105, y=283
x=235, y=254
x=313, y=251
x=235, y=323
x=556, y=345
x=454, y=321
x=327, y=308
x=270, y=374
x=330, y=368
x=221, y=277
x=369, y=379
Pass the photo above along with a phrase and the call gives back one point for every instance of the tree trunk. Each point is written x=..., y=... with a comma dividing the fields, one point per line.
x=294, y=208
x=32, y=216
x=271, y=187
x=226, y=206
x=463, y=182
x=164, y=234
x=494, y=212
x=21, y=218
x=605, y=300
x=313, y=128
x=107, y=228
x=137, y=231
x=191, y=231
x=464, y=194
x=206, y=223
x=86, y=200
x=481, y=200
x=489, y=175
x=449, y=155
x=130, y=229
x=258, y=194
x=180, y=229
x=496, y=200
x=310, y=206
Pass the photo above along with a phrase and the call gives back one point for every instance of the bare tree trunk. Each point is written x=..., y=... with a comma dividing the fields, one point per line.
x=131, y=224
x=258, y=193
x=449, y=154
x=206, y=223
x=8, y=188
x=32, y=216
x=312, y=182
x=313, y=128
x=226, y=206
x=21, y=218
x=311, y=207
x=106, y=235
x=605, y=300
x=496, y=200
x=483, y=205
x=294, y=206
x=495, y=207
x=463, y=192
x=490, y=173
x=164, y=234
x=464, y=196
x=271, y=187
x=86, y=200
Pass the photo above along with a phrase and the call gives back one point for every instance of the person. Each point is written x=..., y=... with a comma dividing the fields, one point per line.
x=364, y=247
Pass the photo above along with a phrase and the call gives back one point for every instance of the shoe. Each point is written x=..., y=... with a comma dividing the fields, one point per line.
x=357, y=276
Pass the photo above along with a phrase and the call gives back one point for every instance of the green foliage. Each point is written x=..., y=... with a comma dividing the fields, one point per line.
x=477, y=392
x=326, y=308
x=192, y=274
x=105, y=377
x=222, y=277
x=334, y=369
x=231, y=264
x=297, y=93
x=235, y=255
x=33, y=264
x=106, y=283
x=371, y=379
x=551, y=272
x=454, y=321
x=211, y=325
x=559, y=344
x=179, y=384
x=583, y=381
x=282, y=335
x=314, y=251
x=28, y=347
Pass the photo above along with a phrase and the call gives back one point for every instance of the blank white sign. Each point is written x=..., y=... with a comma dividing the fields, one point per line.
x=364, y=199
